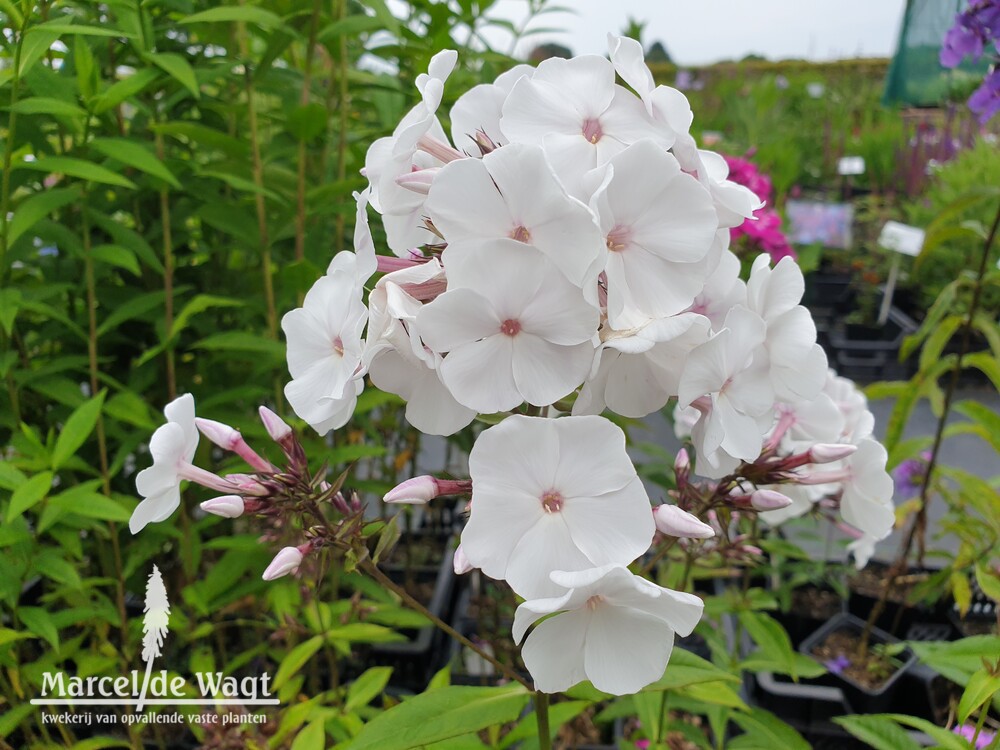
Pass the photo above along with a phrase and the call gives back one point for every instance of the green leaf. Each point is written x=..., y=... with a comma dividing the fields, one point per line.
x=349, y=26
x=560, y=714
x=60, y=27
x=37, y=206
x=72, y=167
x=200, y=304
x=10, y=303
x=307, y=122
x=714, y=693
x=121, y=90
x=42, y=105
x=38, y=622
x=13, y=14
x=878, y=732
x=90, y=504
x=987, y=363
x=456, y=710
x=938, y=339
x=246, y=13
x=177, y=68
x=313, y=737
x=11, y=718
x=76, y=430
x=981, y=689
x=296, y=659
x=29, y=494
x=367, y=687
x=764, y=729
x=86, y=70
x=988, y=581
x=946, y=739
x=772, y=640
x=116, y=255
x=131, y=153
x=239, y=341
x=9, y=636
x=135, y=307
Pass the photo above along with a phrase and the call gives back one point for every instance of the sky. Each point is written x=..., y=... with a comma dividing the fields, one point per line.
x=696, y=32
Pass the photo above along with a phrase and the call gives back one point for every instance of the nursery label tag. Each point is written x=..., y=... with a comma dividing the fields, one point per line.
x=851, y=165
x=146, y=687
x=901, y=238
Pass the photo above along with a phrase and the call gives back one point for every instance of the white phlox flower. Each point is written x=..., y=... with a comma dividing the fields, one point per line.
x=553, y=494
x=657, y=224
x=512, y=193
x=798, y=363
x=576, y=112
x=478, y=110
x=609, y=626
x=728, y=379
x=417, y=143
x=637, y=371
x=515, y=330
x=325, y=347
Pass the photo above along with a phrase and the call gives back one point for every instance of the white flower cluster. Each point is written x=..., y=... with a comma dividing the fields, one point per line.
x=569, y=242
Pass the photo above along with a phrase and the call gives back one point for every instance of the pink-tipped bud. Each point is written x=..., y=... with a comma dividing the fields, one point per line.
x=276, y=427
x=824, y=453
x=415, y=491
x=769, y=500
x=673, y=521
x=286, y=561
x=227, y=506
x=222, y=435
x=247, y=484
x=683, y=462
x=419, y=180
x=462, y=564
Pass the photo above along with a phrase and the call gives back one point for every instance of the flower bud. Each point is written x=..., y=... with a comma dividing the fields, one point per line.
x=824, y=453
x=673, y=521
x=415, y=491
x=683, y=462
x=286, y=561
x=227, y=506
x=222, y=435
x=462, y=564
x=276, y=427
x=769, y=500
x=418, y=181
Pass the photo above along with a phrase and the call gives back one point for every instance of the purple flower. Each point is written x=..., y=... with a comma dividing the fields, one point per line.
x=959, y=42
x=968, y=732
x=985, y=101
x=909, y=475
x=838, y=665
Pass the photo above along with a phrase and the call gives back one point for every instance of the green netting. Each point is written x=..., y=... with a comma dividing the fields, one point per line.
x=915, y=77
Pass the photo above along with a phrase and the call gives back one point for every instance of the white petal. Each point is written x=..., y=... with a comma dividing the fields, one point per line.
x=457, y=317
x=615, y=527
x=625, y=649
x=548, y=545
x=554, y=651
x=480, y=375
x=545, y=372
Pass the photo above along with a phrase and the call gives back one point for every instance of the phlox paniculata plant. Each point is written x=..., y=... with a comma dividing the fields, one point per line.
x=564, y=252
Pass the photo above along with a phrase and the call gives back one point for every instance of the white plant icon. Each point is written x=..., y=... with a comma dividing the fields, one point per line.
x=154, y=626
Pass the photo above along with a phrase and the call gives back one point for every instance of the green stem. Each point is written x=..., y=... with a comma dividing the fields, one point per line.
x=300, y=188
x=343, y=103
x=168, y=281
x=8, y=152
x=372, y=570
x=983, y=711
x=542, y=717
x=261, y=207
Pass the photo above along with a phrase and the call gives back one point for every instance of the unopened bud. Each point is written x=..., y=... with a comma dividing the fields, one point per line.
x=415, y=491
x=222, y=435
x=462, y=564
x=286, y=561
x=769, y=500
x=824, y=453
x=484, y=142
x=276, y=427
x=227, y=506
x=673, y=521
x=419, y=180
x=247, y=484
x=683, y=462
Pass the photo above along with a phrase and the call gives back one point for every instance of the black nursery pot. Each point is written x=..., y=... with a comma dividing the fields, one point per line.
x=415, y=660
x=860, y=698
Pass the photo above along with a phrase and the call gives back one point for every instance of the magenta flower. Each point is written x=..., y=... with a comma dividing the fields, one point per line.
x=968, y=732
